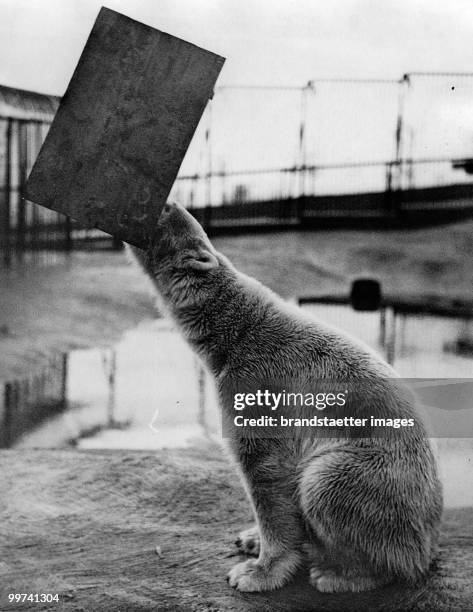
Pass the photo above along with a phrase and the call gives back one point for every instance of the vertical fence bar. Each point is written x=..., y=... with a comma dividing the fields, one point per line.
x=303, y=126
x=111, y=380
x=201, y=408
x=208, y=141
x=382, y=326
x=68, y=234
x=390, y=345
x=302, y=142
x=7, y=415
x=35, y=141
x=64, y=379
x=6, y=221
x=21, y=211
x=400, y=144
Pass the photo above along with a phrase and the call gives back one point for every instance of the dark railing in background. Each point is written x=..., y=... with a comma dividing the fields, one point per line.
x=25, y=227
x=265, y=157
x=403, y=123
x=401, y=327
x=26, y=402
x=388, y=208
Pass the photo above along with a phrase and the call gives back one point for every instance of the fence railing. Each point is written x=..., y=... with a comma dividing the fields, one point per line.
x=26, y=402
x=279, y=156
x=408, y=207
x=25, y=226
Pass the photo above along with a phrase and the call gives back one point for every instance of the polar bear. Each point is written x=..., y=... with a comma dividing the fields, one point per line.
x=361, y=510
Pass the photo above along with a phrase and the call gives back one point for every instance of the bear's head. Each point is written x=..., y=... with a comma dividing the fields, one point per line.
x=180, y=242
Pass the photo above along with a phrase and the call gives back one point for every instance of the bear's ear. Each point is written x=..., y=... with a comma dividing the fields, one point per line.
x=201, y=259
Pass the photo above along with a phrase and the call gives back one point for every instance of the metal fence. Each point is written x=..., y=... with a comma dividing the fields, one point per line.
x=420, y=340
x=330, y=137
x=334, y=151
x=26, y=402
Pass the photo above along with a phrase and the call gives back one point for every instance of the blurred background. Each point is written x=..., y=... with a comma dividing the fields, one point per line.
x=334, y=164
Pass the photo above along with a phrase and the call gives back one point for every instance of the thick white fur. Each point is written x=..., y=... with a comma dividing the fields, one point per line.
x=361, y=511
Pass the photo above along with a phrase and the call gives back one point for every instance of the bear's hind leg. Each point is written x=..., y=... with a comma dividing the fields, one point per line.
x=329, y=582
x=368, y=522
x=337, y=571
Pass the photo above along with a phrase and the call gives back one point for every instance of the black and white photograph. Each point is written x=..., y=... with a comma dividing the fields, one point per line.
x=236, y=305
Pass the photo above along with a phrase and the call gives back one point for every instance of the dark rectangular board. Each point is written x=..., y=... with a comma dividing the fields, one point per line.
x=123, y=127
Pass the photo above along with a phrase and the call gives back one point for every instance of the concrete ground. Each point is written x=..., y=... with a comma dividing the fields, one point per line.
x=86, y=525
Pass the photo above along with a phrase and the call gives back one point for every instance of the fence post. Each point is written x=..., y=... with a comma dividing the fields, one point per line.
x=110, y=366
x=6, y=229
x=389, y=197
x=7, y=418
x=201, y=396
x=208, y=140
x=21, y=212
x=308, y=88
x=207, y=220
x=64, y=376
x=68, y=233
x=391, y=337
x=35, y=228
x=396, y=198
x=301, y=202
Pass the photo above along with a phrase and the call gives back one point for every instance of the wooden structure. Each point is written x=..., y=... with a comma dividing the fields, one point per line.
x=25, y=117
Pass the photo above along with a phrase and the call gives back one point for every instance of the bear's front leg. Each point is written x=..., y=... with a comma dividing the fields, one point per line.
x=281, y=535
x=248, y=541
x=265, y=573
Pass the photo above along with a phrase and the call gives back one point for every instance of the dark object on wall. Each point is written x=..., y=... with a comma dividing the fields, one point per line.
x=123, y=127
x=365, y=294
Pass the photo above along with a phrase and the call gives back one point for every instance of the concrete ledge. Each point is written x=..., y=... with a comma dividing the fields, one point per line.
x=86, y=525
